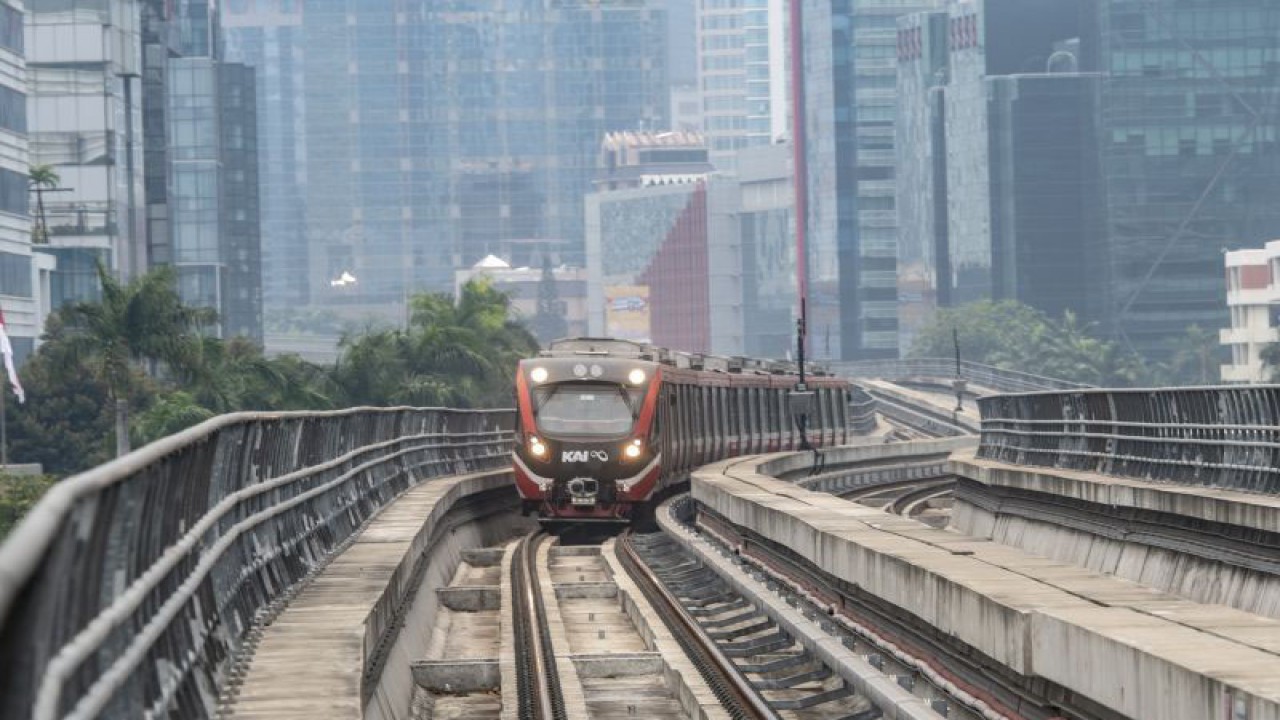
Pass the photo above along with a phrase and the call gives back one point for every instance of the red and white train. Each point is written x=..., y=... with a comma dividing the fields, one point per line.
x=605, y=427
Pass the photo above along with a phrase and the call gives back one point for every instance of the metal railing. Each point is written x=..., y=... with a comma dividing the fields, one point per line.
x=127, y=590
x=1226, y=437
x=987, y=376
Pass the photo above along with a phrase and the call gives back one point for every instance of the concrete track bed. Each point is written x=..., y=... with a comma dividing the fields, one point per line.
x=620, y=674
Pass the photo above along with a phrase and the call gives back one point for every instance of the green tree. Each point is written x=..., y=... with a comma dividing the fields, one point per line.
x=18, y=493
x=233, y=375
x=1198, y=357
x=549, y=322
x=136, y=325
x=172, y=412
x=988, y=329
x=42, y=178
x=1014, y=336
x=66, y=421
x=452, y=353
x=1270, y=355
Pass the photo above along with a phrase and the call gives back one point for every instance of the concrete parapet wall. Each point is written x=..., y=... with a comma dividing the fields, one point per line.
x=1026, y=612
x=1250, y=510
x=784, y=465
x=1211, y=546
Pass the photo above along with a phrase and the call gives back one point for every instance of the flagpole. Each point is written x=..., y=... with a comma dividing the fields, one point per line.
x=4, y=432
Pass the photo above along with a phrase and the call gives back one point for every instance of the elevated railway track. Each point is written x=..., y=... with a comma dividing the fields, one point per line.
x=391, y=539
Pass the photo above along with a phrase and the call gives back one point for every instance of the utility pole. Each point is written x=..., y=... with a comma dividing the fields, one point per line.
x=959, y=383
x=801, y=398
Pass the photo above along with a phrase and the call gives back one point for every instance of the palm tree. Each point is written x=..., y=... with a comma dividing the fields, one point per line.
x=233, y=375
x=137, y=325
x=41, y=179
x=1198, y=358
x=461, y=354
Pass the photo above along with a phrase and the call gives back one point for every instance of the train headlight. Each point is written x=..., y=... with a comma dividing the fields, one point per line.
x=538, y=374
x=632, y=451
x=636, y=377
x=536, y=448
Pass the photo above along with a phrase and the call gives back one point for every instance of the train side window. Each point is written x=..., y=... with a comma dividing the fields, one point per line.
x=732, y=413
x=725, y=430
x=690, y=427
x=713, y=399
x=700, y=410
x=708, y=420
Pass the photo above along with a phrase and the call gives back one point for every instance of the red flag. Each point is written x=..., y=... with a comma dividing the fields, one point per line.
x=6, y=349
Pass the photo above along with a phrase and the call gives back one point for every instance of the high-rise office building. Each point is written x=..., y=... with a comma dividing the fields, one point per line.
x=24, y=276
x=849, y=102
x=992, y=98
x=202, y=164
x=152, y=138
x=84, y=108
x=424, y=136
x=1188, y=134
x=766, y=223
x=268, y=37
x=742, y=75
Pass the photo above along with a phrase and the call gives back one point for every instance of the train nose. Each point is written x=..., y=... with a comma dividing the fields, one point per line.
x=582, y=491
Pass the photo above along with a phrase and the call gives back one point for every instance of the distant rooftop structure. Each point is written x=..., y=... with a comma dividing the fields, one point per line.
x=492, y=262
x=633, y=159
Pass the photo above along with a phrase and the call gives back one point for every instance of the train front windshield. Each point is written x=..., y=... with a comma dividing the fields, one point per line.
x=584, y=409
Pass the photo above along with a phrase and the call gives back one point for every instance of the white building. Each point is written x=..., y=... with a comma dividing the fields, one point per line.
x=24, y=278
x=84, y=112
x=742, y=75
x=522, y=284
x=1252, y=295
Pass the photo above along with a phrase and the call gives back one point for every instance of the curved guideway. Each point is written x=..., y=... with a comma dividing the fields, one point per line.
x=788, y=680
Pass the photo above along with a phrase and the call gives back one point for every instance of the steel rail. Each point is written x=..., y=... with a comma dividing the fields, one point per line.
x=539, y=694
x=945, y=369
x=728, y=683
x=929, y=421
x=907, y=503
x=951, y=668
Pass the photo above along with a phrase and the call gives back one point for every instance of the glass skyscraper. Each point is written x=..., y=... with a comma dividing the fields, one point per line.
x=742, y=65
x=850, y=102
x=424, y=135
x=1188, y=132
x=997, y=160
x=268, y=38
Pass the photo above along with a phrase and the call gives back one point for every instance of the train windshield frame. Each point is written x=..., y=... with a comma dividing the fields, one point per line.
x=584, y=409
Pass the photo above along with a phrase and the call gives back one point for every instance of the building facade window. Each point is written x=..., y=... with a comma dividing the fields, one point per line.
x=15, y=275
x=13, y=110
x=13, y=192
x=11, y=28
